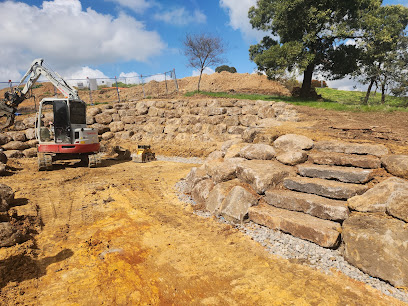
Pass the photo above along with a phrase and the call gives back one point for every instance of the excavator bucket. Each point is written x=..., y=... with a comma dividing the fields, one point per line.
x=6, y=115
x=144, y=154
x=123, y=154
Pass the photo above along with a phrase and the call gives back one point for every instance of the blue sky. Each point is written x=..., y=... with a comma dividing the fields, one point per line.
x=98, y=38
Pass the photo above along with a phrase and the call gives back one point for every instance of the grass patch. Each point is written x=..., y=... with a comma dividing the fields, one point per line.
x=339, y=100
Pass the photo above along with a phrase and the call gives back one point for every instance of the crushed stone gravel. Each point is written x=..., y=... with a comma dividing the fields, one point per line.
x=300, y=251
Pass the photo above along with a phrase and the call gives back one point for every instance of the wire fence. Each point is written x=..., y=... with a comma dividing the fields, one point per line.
x=117, y=89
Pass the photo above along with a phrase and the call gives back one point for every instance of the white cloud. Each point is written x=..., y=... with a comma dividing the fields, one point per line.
x=69, y=38
x=207, y=70
x=138, y=6
x=181, y=17
x=238, y=14
x=130, y=78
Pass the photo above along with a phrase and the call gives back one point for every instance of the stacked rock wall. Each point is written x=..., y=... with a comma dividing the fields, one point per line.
x=326, y=192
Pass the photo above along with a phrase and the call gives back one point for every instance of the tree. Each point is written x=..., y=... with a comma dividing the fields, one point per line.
x=383, y=48
x=225, y=68
x=202, y=51
x=308, y=35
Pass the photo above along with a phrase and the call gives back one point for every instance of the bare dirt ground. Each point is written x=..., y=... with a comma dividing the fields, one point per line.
x=118, y=235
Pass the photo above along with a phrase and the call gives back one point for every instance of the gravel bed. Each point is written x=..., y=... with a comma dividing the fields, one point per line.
x=176, y=159
x=302, y=251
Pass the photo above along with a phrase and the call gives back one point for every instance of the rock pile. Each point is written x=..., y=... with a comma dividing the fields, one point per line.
x=320, y=192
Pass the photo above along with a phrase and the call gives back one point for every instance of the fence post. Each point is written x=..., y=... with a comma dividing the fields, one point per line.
x=175, y=79
x=117, y=89
x=90, y=91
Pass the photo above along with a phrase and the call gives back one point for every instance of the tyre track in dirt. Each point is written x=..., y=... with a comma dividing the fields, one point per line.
x=130, y=241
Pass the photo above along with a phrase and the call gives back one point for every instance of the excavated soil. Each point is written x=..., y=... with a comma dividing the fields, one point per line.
x=118, y=235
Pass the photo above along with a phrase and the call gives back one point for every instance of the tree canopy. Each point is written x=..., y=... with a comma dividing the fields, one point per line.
x=307, y=35
x=225, y=68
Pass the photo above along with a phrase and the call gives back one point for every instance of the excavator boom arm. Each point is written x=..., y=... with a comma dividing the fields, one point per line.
x=9, y=104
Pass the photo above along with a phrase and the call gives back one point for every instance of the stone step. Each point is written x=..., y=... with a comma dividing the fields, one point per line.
x=342, y=159
x=325, y=188
x=351, y=148
x=343, y=174
x=322, y=232
x=310, y=204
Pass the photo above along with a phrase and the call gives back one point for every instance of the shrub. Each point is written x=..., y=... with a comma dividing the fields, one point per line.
x=318, y=84
x=225, y=68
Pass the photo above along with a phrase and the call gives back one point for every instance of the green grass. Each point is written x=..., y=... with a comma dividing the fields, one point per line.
x=333, y=99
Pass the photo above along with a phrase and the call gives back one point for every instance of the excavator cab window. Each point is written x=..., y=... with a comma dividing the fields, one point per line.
x=77, y=111
x=62, y=128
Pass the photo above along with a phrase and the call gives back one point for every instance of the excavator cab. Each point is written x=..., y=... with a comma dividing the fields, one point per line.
x=62, y=133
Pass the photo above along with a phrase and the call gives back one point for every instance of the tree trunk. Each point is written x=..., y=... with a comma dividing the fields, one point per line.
x=365, y=102
x=307, y=81
x=383, y=90
x=199, y=80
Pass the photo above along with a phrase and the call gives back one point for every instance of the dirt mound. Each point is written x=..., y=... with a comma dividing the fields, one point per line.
x=234, y=82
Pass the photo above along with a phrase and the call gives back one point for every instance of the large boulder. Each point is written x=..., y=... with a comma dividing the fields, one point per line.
x=377, y=245
x=396, y=165
x=215, y=155
x=322, y=232
x=229, y=143
x=9, y=236
x=3, y=157
x=104, y=118
x=261, y=175
x=14, y=154
x=31, y=152
x=236, y=204
x=108, y=135
x=216, y=198
x=258, y=151
x=292, y=157
x=116, y=126
x=101, y=128
x=18, y=136
x=351, y=148
x=30, y=134
x=15, y=145
x=293, y=142
x=6, y=197
x=389, y=196
x=93, y=111
x=234, y=150
x=4, y=138
x=201, y=191
x=221, y=171
x=195, y=175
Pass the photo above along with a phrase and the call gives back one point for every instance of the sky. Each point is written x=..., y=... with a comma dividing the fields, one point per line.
x=124, y=38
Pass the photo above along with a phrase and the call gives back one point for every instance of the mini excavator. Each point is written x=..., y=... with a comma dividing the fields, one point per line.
x=66, y=135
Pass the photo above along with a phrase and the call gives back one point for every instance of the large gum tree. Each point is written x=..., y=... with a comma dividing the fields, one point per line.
x=308, y=35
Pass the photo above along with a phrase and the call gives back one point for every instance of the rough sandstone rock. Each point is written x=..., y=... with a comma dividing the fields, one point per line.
x=18, y=136
x=215, y=155
x=108, y=135
x=9, y=236
x=90, y=120
x=389, y=196
x=101, y=128
x=351, y=148
x=103, y=118
x=343, y=174
x=293, y=142
x=15, y=145
x=14, y=154
x=249, y=134
x=234, y=150
x=237, y=203
x=261, y=175
x=248, y=120
x=310, y=204
x=29, y=122
x=3, y=169
x=292, y=157
x=3, y=157
x=4, y=138
x=258, y=151
x=93, y=111
x=195, y=175
x=116, y=126
x=235, y=130
x=6, y=197
x=396, y=165
x=31, y=152
x=201, y=191
x=378, y=246
x=32, y=143
x=266, y=111
x=221, y=171
x=30, y=134
x=325, y=188
x=341, y=159
x=322, y=232
x=218, y=194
